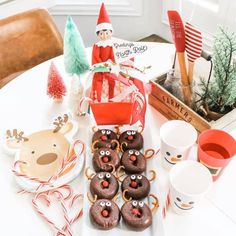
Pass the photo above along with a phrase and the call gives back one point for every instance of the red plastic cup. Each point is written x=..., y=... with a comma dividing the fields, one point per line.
x=216, y=148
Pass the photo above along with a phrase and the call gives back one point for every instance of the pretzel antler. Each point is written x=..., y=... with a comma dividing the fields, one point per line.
x=155, y=203
x=60, y=122
x=18, y=136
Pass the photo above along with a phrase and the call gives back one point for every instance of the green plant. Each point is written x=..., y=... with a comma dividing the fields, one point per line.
x=220, y=93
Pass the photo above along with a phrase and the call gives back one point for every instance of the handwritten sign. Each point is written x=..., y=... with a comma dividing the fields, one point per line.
x=125, y=50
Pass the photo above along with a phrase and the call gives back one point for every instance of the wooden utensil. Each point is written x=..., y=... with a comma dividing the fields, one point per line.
x=178, y=34
x=193, y=45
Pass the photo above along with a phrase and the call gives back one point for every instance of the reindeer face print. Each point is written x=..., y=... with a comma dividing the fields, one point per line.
x=172, y=159
x=183, y=205
x=42, y=151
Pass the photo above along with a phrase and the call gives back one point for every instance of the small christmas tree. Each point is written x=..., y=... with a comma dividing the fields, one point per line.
x=220, y=93
x=56, y=87
x=75, y=59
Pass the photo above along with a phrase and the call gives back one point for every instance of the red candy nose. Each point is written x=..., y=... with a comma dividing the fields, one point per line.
x=105, y=159
x=104, y=138
x=136, y=212
x=130, y=137
x=105, y=184
x=134, y=184
x=133, y=158
x=105, y=213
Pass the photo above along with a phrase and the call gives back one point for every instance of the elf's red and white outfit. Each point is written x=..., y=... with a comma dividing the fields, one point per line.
x=102, y=52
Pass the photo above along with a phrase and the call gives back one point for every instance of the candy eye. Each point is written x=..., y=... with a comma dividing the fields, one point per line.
x=102, y=204
x=133, y=132
x=108, y=132
x=103, y=131
x=179, y=156
x=108, y=204
x=137, y=153
x=134, y=203
x=108, y=175
x=133, y=177
x=107, y=153
x=141, y=204
x=129, y=132
x=131, y=152
x=54, y=145
x=102, y=153
x=167, y=153
x=100, y=176
x=139, y=176
x=33, y=152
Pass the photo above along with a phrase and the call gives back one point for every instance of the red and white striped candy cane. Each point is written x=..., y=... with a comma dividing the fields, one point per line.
x=40, y=212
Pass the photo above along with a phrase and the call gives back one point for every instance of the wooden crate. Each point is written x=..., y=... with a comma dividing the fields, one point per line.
x=172, y=108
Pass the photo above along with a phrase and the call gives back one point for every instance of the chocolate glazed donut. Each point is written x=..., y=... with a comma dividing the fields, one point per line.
x=136, y=214
x=104, y=159
x=104, y=185
x=104, y=214
x=136, y=186
x=133, y=161
x=131, y=140
x=105, y=138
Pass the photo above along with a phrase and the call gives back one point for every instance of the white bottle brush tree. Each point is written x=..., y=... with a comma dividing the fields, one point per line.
x=75, y=61
x=219, y=95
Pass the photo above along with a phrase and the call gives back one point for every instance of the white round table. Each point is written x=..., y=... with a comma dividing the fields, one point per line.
x=24, y=105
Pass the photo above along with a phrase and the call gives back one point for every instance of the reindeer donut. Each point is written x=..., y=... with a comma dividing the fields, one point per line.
x=136, y=186
x=104, y=138
x=103, y=184
x=131, y=139
x=134, y=162
x=137, y=214
x=41, y=153
x=104, y=159
x=104, y=214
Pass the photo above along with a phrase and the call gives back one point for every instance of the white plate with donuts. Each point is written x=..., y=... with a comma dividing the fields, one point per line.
x=126, y=212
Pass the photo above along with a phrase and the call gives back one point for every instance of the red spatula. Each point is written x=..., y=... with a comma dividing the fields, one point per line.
x=193, y=45
x=178, y=34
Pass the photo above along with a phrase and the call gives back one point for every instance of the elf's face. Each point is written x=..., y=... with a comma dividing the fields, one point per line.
x=104, y=34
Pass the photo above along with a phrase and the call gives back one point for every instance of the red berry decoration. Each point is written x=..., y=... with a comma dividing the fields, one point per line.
x=105, y=184
x=105, y=213
x=105, y=159
x=130, y=137
x=133, y=158
x=104, y=138
x=136, y=212
x=134, y=184
x=55, y=87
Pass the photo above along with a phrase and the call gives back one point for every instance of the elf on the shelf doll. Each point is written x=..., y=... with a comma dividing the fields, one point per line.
x=103, y=52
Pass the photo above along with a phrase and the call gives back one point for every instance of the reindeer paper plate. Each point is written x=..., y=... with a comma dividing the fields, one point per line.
x=47, y=158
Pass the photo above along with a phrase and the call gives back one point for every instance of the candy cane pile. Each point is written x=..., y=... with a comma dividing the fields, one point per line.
x=56, y=193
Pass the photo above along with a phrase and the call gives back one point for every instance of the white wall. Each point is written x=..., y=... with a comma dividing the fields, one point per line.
x=127, y=27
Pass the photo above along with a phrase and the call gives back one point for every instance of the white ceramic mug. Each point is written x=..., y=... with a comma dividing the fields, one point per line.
x=177, y=138
x=189, y=181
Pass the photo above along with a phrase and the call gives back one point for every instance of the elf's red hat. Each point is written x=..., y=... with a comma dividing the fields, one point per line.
x=103, y=22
